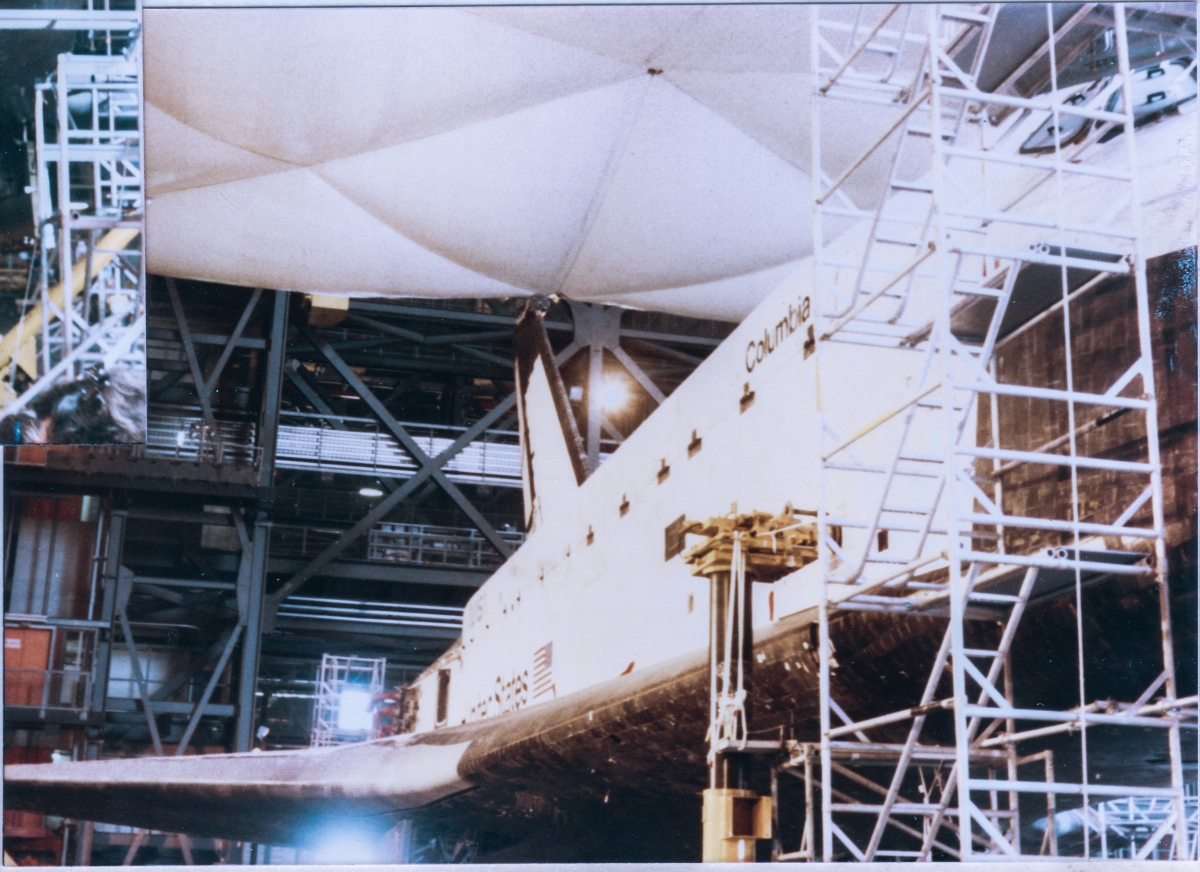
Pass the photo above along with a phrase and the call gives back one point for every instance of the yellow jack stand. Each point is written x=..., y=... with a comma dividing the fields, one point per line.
x=733, y=821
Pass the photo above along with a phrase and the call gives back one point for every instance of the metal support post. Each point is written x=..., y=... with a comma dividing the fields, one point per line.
x=109, y=576
x=598, y=329
x=735, y=553
x=66, y=253
x=731, y=662
x=272, y=388
x=90, y=317
x=251, y=621
x=595, y=401
x=82, y=855
x=1175, y=747
x=928, y=523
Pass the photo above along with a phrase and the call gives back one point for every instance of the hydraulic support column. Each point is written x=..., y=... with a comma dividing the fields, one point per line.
x=733, y=814
x=736, y=552
x=729, y=770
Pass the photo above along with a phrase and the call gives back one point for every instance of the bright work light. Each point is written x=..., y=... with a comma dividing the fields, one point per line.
x=615, y=393
x=354, y=711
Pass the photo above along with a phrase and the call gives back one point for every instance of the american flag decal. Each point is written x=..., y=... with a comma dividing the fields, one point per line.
x=543, y=676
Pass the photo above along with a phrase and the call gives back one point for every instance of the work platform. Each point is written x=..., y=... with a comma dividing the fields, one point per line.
x=971, y=241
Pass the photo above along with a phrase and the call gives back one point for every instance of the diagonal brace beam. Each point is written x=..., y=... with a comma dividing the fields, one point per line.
x=209, y=687
x=862, y=158
x=189, y=350
x=136, y=664
x=234, y=338
x=410, y=445
x=185, y=675
x=638, y=373
x=298, y=377
x=383, y=507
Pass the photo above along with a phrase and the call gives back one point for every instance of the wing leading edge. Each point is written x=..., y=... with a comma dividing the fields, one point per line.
x=279, y=797
x=641, y=733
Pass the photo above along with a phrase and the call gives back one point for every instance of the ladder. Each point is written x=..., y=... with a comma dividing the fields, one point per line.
x=918, y=283
x=89, y=310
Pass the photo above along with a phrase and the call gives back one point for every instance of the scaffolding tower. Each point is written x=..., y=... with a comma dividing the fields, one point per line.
x=85, y=313
x=915, y=275
x=345, y=683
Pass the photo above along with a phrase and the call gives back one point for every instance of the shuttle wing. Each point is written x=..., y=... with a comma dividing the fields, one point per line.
x=637, y=734
x=278, y=797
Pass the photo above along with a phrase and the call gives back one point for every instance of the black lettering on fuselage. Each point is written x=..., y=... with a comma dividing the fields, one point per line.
x=759, y=349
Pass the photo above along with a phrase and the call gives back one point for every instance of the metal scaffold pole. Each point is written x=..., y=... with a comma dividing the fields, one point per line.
x=88, y=317
x=346, y=690
x=919, y=515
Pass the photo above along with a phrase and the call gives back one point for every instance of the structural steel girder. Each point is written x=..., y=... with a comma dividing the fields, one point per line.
x=598, y=329
x=273, y=388
x=254, y=556
x=383, y=507
x=388, y=420
x=206, y=384
x=511, y=321
x=189, y=350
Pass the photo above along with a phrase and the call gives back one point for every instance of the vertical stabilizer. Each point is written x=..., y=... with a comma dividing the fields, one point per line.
x=552, y=464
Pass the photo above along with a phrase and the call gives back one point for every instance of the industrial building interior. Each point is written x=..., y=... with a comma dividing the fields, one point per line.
x=327, y=480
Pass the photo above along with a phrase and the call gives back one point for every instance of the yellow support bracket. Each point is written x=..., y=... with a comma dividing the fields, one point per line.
x=30, y=327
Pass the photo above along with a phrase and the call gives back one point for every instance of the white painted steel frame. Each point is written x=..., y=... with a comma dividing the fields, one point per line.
x=334, y=676
x=957, y=376
x=104, y=324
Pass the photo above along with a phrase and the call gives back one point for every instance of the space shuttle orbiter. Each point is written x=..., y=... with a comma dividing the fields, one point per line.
x=582, y=668
x=582, y=671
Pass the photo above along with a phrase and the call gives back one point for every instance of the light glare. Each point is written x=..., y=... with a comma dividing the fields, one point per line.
x=615, y=393
x=354, y=711
x=344, y=844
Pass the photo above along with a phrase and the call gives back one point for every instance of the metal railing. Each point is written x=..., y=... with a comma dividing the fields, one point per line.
x=307, y=447
x=436, y=546
x=417, y=544
x=363, y=612
x=48, y=689
x=369, y=452
x=181, y=437
x=62, y=678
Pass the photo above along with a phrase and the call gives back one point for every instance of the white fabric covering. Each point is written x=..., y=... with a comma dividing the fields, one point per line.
x=454, y=152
